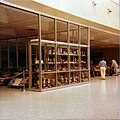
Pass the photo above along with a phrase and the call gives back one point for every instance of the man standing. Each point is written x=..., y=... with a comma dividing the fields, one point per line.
x=115, y=67
x=103, y=66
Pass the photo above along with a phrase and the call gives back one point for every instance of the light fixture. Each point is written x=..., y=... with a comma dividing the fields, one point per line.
x=94, y=4
x=109, y=11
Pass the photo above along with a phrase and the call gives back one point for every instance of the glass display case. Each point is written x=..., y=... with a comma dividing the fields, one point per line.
x=35, y=66
x=74, y=58
x=84, y=58
x=74, y=77
x=62, y=58
x=64, y=55
x=84, y=76
x=62, y=78
x=48, y=57
x=48, y=80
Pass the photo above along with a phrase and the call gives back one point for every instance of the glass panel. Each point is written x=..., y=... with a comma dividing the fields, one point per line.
x=62, y=58
x=12, y=53
x=21, y=52
x=16, y=23
x=62, y=78
x=84, y=58
x=84, y=76
x=48, y=80
x=47, y=28
x=4, y=53
x=74, y=58
x=35, y=65
x=74, y=34
x=62, y=31
x=74, y=77
x=84, y=35
x=48, y=57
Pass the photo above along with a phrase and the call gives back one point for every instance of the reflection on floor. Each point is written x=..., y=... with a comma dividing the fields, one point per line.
x=97, y=100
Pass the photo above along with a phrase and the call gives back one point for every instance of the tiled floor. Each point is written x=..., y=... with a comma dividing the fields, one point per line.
x=96, y=100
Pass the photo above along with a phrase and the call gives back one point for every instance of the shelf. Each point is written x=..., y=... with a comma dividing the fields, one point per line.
x=48, y=72
x=61, y=71
x=63, y=54
x=74, y=55
x=84, y=69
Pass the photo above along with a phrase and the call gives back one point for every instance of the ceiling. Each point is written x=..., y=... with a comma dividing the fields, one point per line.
x=16, y=23
x=103, y=39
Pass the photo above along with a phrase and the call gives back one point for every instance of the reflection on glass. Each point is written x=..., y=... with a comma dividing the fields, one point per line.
x=18, y=23
x=48, y=57
x=62, y=58
x=74, y=77
x=12, y=54
x=84, y=58
x=84, y=35
x=84, y=76
x=21, y=52
x=35, y=65
x=62, y=31
x=4, y=53
x=74, y=58
x=74, y=34
x=47, y=28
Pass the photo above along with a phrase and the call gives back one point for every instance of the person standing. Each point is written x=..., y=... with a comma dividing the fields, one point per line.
x=103, y=66
x=115, y=67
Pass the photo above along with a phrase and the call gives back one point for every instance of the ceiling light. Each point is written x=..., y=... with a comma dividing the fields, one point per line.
x=109, y=11
x=94, y=4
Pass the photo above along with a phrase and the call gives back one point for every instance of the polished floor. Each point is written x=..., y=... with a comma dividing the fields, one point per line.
x=98, y=100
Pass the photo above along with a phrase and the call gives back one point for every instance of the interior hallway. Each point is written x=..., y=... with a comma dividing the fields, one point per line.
x=96, y=100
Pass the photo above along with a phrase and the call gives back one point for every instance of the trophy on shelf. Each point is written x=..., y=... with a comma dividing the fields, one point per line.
x=44, y=82
x=71, y=80
x=66, y=80
x=77, y=78
x=71, y=53
x=74, y=80
x=48, y=83
x=83, y=75
x=52, y=82
x=62, y=80
x=50, y=51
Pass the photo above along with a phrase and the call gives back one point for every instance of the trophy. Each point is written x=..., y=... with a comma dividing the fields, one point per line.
x=62, y=80
x=66, y=80
x=49, y=81
x=44, y=82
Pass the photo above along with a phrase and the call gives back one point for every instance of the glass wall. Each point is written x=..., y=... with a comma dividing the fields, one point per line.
x=4, y=53
x=62, y=31
x=57, y=55
x=12, y=53
x=64, y=60
x=17, y=28
x=84, y=35
x=47, y=28
x=21, y=52
x=74, y=33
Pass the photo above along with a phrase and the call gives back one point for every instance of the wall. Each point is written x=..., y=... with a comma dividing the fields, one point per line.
x=85, y=9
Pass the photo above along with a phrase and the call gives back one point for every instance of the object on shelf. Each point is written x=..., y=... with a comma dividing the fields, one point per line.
x=48, y=81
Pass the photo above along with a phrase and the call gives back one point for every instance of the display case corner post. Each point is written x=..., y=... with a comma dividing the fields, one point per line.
x=89, y=51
